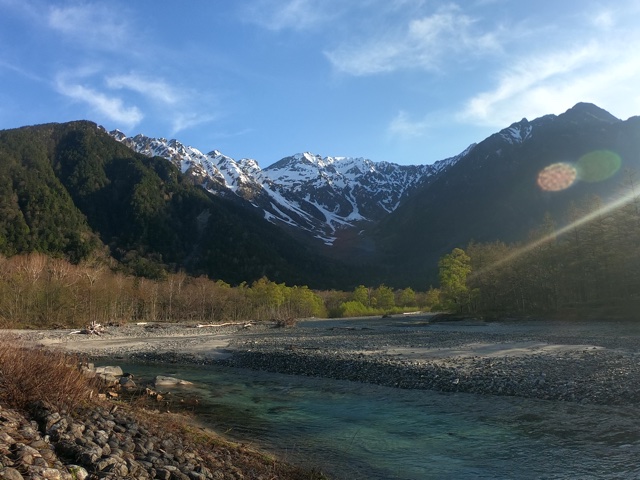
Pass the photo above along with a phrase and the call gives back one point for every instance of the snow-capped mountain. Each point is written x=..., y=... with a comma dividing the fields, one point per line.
x=319, y=195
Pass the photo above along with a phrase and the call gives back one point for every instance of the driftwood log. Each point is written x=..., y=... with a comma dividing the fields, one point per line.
x=94, y=328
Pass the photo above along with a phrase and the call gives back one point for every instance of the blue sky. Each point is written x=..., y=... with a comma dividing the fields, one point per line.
x=406, y=81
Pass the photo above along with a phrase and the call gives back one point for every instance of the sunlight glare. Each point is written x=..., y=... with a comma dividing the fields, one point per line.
x=620, y=202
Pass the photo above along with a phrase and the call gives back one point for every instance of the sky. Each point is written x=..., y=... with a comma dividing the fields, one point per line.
x=404, y=81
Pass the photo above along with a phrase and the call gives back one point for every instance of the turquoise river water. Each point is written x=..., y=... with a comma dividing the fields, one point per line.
x=359, y=431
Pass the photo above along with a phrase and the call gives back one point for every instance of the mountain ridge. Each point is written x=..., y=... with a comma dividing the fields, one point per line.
x=72, y=189
x=493, y=194
x=318, y=195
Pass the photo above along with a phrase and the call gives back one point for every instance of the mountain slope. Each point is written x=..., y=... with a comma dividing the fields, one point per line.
x=320, y=196
x=492, y=193
x=70, y=188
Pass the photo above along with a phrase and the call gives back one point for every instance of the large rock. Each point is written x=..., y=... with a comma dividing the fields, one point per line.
x=9, y=473
x=110, y=370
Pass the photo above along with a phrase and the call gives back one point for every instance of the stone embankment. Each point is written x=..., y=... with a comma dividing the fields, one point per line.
x=111, y=442
x=100, y=443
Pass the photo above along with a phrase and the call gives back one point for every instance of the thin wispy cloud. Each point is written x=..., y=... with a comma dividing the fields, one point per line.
x=111, y=107
x=184, y=121
x=93, y=25
x=423, y=43
x=21, y=71
x=158, y=90
x=528, y=75
x=604, y=70
x=405, y=127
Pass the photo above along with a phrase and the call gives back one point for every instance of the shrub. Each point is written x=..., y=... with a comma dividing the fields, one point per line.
x=354, y=308
x=31, y=373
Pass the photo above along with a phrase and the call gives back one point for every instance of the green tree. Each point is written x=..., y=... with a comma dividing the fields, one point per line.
x=406, y=297
x=453, y=271
x=361, y=294
x=385, y=298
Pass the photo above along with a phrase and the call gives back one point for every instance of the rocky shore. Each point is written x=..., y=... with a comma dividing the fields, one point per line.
x=116, y=443
x=108, y=438
x=583, y=362
x=587, y=362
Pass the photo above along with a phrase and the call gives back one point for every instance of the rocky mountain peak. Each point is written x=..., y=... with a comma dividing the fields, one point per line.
x=588, y=112
x=318, y=195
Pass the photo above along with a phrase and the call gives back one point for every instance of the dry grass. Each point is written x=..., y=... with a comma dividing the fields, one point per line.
x=29, y=374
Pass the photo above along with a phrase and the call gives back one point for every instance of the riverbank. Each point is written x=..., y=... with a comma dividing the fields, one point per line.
x=56, y=424
x=585, y=362
x=119, y=441
x=576, y=362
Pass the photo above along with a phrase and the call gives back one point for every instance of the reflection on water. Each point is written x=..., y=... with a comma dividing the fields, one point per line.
x=357, y=431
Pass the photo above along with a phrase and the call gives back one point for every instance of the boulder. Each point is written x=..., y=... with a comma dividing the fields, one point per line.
x=8, y=473
x=110, y=370
x=127, y=383
x=78, y=472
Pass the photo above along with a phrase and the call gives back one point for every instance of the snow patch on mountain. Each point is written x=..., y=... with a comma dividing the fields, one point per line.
x=319, y=195
x=518, y=132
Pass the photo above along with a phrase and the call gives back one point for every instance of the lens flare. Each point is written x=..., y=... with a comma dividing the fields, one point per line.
x=620, y=202
x=598, y=166
x=557, y=176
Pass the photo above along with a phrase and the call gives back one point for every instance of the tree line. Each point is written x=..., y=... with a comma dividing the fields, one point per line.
x=592, y=262
x=39, y=291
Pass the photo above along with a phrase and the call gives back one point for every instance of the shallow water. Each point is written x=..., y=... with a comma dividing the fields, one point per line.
x=360, y=431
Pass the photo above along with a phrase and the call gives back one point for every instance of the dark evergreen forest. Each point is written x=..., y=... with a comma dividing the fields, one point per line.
x=71, y=191
x=591, y=264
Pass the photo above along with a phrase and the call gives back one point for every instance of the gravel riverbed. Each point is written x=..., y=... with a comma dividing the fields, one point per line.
x=592, y=362
x=595, y=362
x=578, y=361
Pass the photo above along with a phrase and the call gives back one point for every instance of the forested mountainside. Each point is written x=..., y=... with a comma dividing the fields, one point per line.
x=72, y=190
x=503, y=188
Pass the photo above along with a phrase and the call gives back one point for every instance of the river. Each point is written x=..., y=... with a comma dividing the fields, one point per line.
x=360, y=431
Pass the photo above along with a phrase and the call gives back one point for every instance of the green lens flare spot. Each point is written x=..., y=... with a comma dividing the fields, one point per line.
x=598, y=166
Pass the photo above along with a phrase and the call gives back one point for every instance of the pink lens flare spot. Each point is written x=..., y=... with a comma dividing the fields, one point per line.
x=557, y=177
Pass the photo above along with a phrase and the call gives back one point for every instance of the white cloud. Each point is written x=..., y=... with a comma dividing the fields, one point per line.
x=529, y=74
x=603, y=72
x=603, y=19
x=156, y=89
x=404, y=127
x=423, y=43
x=111, y=107
x=92, y=25
x=184, y=121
